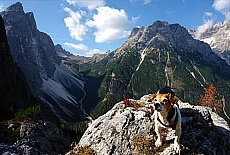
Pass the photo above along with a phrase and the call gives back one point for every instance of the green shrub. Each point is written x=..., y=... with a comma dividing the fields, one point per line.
x=30, y=112
x=74, y=131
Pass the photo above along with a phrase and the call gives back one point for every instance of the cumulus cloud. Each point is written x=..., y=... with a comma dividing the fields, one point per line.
x=80, y=48
x=73, y=23
x=90, y=4
x=111, y=24
x=201, y=29
x=208, y=20
x=223, y=6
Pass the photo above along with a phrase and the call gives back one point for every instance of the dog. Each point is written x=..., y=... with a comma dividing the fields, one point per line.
x=166, y=115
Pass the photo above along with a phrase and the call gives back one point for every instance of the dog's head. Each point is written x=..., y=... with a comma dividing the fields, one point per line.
x=163, y=102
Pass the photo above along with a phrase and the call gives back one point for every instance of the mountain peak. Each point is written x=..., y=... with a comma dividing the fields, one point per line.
x=15, y=13
x=15, y=7
x=158, y=34
x=159, y=24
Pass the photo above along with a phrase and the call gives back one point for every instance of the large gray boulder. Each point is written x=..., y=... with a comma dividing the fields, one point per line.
x=127, y=130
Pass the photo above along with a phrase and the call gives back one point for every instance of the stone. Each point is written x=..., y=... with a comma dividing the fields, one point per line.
x=37, y=137
x=114, y=132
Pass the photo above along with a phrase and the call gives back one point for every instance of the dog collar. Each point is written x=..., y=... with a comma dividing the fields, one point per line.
x=173, y=126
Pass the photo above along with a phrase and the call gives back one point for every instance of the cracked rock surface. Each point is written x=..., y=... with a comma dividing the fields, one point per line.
x=203, y=131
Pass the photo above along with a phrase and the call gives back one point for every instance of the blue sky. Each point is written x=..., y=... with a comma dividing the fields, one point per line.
x=84, y=27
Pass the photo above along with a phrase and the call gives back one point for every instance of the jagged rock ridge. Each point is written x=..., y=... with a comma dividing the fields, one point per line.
x=217, y=36
x=115, y=132
x=71, y=59
x=161, y=34
x=14, y=90
x=57, y=86
x=62, y=52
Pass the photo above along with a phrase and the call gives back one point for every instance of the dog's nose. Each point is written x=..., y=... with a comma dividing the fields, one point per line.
x=157, y=106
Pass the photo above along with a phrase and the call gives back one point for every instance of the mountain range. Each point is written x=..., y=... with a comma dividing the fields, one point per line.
x=152, y=57
x=70, y=88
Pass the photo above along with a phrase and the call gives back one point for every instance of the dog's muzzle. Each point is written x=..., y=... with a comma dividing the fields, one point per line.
x=158, y=106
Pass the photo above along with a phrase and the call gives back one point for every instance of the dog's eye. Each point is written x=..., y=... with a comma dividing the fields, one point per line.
x=155, y=99
x=165, y=100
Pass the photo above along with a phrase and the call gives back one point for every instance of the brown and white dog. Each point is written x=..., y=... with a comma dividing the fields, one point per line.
x=166, y=115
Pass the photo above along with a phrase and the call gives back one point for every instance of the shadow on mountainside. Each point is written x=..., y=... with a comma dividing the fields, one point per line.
x=92, y=88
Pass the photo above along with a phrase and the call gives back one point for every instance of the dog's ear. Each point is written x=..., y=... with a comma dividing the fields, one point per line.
x=151, y=97
x=173, y=99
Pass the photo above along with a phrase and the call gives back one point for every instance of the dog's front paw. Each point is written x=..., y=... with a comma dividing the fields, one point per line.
x=158, y=143
x=177, y=148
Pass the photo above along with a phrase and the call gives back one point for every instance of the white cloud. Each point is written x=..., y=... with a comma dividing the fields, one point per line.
x=147, y=1
x=208, y=20
x=80, y=48
x=134, y=19
x=133, y=1
x=208, y=14
x=111, y=24
x=223, y=6
x=90, y=4
x=208, y=24
x=73, y=23
x=1, y=7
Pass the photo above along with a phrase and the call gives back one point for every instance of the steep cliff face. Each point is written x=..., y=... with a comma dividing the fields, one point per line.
x=32, y=50
x=127, y=130
x=14, y=90
x=56, y=85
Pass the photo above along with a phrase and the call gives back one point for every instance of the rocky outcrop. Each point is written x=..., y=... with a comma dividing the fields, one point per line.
x=62, y=52
x=33, y=137
x=127, y=130
x=14, y=90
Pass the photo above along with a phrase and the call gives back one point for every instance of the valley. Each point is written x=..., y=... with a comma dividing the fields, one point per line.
x=74, y=91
